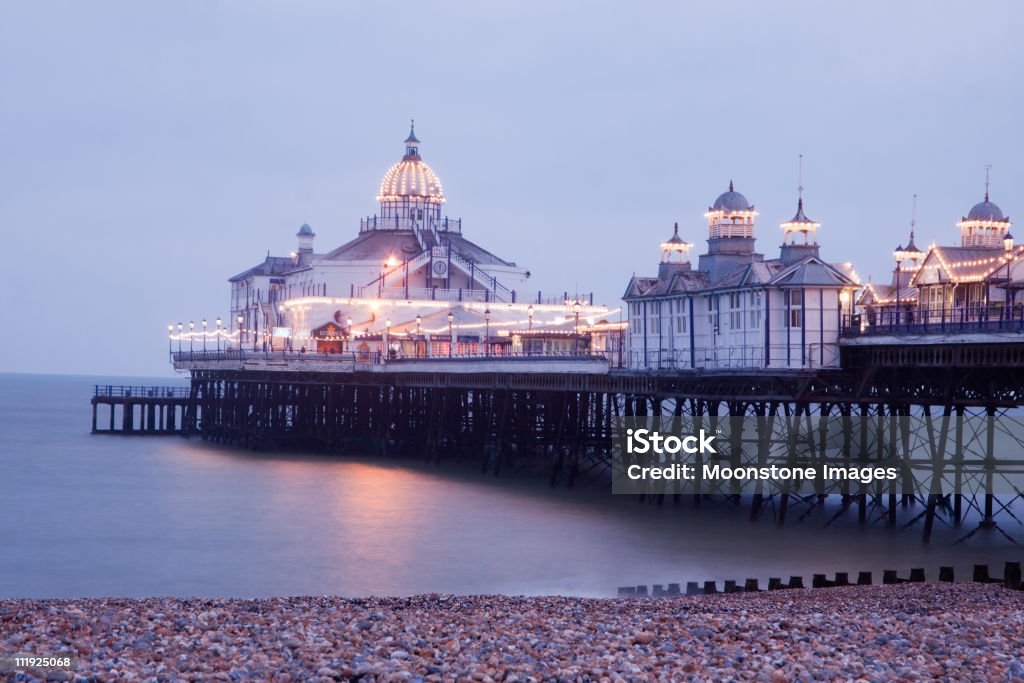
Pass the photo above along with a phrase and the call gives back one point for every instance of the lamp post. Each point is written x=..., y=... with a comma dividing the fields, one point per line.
x=219, y=321
x=239, y=321
x=576, y=328
x=529, y=327
x=255, y=329
x=1008, y=247
x=286, y=342
x=451, y=334
x=179, y=336
x=170, y=335
x=419, y=332
x=204, y=335
x=899, y=264
x=191, y=333
x=387, y=337
x=348, y=333
x=487, y=331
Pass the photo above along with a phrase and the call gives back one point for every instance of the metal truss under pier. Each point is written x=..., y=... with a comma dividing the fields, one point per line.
x=506, y=417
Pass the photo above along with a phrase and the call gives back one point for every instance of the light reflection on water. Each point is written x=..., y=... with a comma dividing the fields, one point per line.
x=85, y=515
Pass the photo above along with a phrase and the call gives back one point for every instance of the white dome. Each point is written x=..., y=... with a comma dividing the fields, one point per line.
x=410, y=178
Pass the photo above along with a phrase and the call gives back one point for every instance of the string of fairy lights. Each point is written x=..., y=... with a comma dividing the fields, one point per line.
x=410, y=175
x=583, y=321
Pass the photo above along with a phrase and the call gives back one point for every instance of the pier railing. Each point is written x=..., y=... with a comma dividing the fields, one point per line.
x=926, y=321
x=134, y=391
x=377, y=356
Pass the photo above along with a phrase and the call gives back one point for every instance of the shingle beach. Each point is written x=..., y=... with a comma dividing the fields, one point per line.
x=881, y=633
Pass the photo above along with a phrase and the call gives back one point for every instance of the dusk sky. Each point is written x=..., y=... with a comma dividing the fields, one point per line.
x=152, y=150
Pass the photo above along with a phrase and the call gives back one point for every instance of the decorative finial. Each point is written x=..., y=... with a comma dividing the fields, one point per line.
x=988, y=167
x=913, y=219
x=800, y=186
x=675, y=230
x=730, y=187
x=412, y=131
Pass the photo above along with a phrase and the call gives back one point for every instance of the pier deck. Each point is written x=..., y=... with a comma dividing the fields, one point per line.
x=558, y=414
x=137, y=410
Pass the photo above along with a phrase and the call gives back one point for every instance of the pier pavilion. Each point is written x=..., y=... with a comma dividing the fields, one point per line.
x=737, y=309
x=970, y=286
x=410, y=283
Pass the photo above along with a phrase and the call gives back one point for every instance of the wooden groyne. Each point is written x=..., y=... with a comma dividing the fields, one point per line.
x=1011, y=579
x=141, y=410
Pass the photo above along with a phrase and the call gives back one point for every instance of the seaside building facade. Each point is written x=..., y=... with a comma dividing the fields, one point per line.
x=409, y=284
x=975, y=281
x=737, y=309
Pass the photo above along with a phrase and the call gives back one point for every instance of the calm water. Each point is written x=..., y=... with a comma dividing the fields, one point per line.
x=84, y=515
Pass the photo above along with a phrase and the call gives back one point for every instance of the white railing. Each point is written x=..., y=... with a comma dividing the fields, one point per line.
x=738, y=358
x=405, y=223
x=425, y=294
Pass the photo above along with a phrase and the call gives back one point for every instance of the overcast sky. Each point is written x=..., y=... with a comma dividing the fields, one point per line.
x=149, y=151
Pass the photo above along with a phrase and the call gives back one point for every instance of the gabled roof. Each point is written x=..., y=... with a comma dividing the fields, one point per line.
x=812, y=271
x=883, y=294
x=678, y=282
x=640, y=287
x=474, y=252
x=963, y=263
x=378, y=245
x=750, y=274
x=272, y=265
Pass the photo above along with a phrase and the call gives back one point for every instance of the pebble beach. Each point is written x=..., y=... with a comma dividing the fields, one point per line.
x=956, y=632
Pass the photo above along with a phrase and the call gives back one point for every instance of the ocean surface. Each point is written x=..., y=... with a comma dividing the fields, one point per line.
x=90, y=516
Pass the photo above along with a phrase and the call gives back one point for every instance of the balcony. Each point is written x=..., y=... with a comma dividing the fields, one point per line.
x=979, y=319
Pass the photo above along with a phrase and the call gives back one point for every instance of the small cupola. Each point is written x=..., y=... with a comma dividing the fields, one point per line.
x=305, y=236
x=412, y=144
x=675, y=254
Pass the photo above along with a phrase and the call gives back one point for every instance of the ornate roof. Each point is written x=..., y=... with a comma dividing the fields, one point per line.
x=675, y=238
x=800, y=216
x=410, y=177
x=731, y=201
x=985, y=211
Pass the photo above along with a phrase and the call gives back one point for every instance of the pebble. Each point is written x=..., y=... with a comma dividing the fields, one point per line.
x=870, y=633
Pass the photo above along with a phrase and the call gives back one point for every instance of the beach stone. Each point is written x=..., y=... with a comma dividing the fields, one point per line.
x=904, y=631
x=643, y=638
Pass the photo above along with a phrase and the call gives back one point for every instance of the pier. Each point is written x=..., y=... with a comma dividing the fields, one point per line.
x=410, y=339
x=558, y=414
x=135, y=410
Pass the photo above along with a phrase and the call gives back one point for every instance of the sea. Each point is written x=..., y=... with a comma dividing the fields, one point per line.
x=85, y=515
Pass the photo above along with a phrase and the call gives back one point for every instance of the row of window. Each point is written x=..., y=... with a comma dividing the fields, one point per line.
x=744, y=310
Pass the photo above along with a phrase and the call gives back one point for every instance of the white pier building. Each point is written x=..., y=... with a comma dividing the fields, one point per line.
x=971, y=285
x=737, y=309
x=409, y=284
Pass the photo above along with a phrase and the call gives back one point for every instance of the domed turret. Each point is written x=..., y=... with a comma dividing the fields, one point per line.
x=410, y=194
x=411, y=178
x=731, y=200
x=731, y=217
x=305, y=235
x=985, y=211
x=984, y=225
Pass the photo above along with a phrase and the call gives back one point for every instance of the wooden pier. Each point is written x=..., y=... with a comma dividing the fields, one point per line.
x=559, y=415
x=135, y=410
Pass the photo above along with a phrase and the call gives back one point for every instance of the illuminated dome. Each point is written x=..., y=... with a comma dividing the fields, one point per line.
x=731, y=201
x=985, y=211
x=411, y=178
